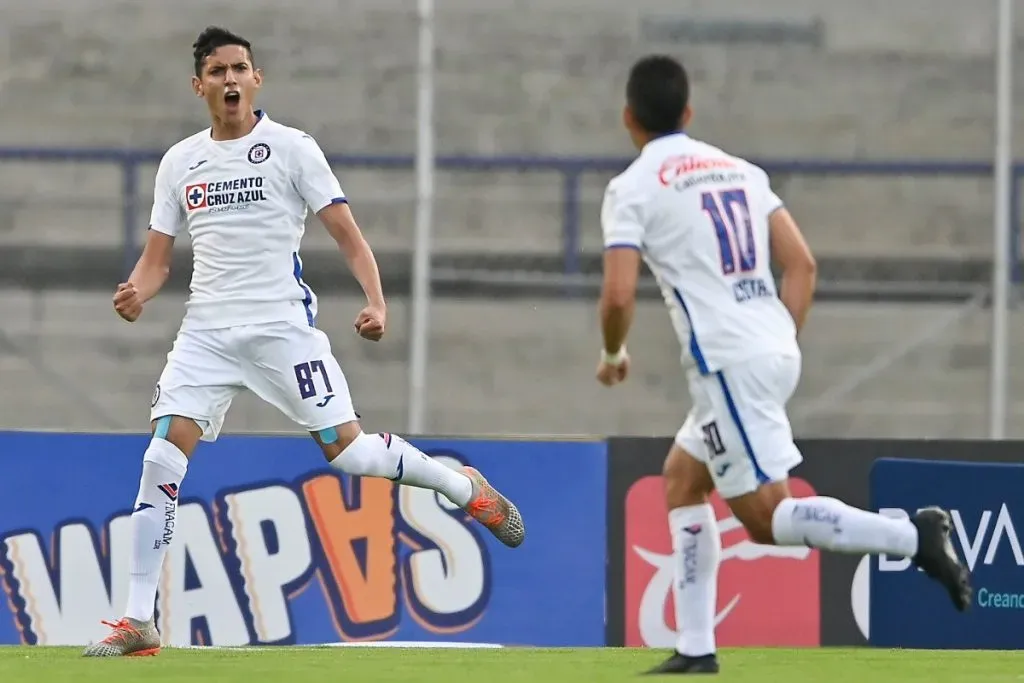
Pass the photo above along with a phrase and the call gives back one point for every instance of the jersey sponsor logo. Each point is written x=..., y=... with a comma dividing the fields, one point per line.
x=752, y=288
x=371, y=553
x=226, y=195
x=674, y=167
x=754, y=580
x=156, y=395
x=259, y=153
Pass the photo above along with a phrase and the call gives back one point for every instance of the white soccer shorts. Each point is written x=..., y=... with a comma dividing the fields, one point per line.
x=738, y=425
x=287, y=365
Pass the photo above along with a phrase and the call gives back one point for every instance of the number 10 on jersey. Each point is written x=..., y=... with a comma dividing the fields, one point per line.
x=730, y=214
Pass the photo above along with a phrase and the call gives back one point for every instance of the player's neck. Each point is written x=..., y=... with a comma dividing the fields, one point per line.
x=643, y=138
x=651, y=137
x=222, y=131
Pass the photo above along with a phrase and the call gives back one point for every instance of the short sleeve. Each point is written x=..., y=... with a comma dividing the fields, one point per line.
x=167, y=215
x=621, y=216
x=772, y=201
x=312, y=175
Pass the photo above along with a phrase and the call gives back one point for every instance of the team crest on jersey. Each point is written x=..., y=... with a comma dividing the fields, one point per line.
x=259, y=153
x=195, y=196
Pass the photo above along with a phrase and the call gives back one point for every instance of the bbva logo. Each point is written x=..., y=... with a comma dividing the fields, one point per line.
x=981, y=541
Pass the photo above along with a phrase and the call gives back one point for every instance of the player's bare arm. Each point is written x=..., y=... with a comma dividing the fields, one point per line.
x=799, y=269
x=147, y=278
x=618, y=302
x=342, y=226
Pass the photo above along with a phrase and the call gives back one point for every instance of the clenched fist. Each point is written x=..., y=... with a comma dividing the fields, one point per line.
x=613, y=369
x=127, y=302
x=370, y=322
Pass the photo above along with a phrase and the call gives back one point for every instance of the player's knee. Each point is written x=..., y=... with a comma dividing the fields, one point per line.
x=687, y=481
x=334, y=440
x=183, y=432
x=756, y=510
x=755, y=518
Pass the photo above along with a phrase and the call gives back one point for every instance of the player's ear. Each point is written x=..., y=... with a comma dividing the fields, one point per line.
x=197, y=86
x=627, y=118
x=258, y=76
x=687, y=115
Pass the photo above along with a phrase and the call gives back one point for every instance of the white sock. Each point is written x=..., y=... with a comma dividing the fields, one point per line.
x=697, y=552
x=394, y=458
x=156, y=508
x=831, y=524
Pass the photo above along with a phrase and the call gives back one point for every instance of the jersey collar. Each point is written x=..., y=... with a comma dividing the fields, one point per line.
x=261, y=116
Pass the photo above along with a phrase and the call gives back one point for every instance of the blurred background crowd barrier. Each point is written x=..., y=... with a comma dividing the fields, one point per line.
x=875, y=120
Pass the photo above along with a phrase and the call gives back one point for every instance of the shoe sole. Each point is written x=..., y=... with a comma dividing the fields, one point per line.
x=149, y=652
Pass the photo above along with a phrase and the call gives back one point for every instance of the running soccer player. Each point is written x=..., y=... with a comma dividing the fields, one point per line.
x=707, y=223
x=242, y=187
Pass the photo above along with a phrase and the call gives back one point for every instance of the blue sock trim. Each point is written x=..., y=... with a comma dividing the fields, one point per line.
x=163, y=425
x=329, y=435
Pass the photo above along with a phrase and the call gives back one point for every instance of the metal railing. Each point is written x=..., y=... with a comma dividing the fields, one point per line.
x=571, y=169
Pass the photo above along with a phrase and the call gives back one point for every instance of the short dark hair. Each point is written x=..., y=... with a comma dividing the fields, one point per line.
x=658, y=91
x=212, y=38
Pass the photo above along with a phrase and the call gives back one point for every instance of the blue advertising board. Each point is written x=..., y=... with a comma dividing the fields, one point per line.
x=909, y=610
x=273, y=547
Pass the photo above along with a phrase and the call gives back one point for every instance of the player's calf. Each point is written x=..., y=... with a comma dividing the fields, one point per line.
x=164, y=466
x=696, y=556
x=830, y=524
x=350, y=450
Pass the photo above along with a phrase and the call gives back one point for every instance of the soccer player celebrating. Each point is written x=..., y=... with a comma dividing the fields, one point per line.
x=242, y=188
x=708, y=224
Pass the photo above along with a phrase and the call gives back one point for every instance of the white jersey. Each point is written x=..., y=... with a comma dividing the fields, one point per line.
x=244, y=202
x=699, y=217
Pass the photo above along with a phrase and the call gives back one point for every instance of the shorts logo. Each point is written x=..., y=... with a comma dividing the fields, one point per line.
x=259, y=153
x=754, y=580
x=195, y=196
x=156, y=395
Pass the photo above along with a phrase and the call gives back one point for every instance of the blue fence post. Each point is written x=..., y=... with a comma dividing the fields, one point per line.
x=571, y=221
x=130, y=212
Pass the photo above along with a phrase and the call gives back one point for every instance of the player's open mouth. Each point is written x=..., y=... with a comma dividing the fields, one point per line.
x=232, y=98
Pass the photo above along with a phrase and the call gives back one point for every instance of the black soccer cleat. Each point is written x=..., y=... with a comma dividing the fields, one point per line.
x=937, y=557
x=679, y=663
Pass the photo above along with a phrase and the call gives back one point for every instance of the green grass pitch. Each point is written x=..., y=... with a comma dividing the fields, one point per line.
x=512, y=665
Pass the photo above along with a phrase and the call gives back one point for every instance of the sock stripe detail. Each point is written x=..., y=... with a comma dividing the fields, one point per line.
x=169, y=490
